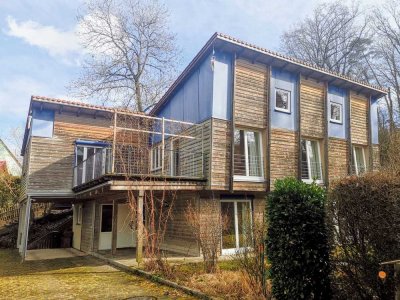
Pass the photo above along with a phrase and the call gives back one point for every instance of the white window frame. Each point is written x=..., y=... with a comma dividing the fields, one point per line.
x=308, y=146
x=355, y=158
x=341, y=112
x=85, y=148
x=247, y=177
x=288, y=110
x=156, y=165
x=237, y=249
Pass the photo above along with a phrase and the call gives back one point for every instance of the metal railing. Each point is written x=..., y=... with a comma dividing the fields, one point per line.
x=137, y=161
x=247, y=165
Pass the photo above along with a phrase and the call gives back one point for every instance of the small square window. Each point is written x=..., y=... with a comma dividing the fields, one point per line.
x=336, y=113
x=282, y=100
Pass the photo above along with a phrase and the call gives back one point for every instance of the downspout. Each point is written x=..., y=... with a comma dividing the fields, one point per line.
x=348, y=129
x=268, y=177
x=299, y=126
x=232, y=172
x=326, y=134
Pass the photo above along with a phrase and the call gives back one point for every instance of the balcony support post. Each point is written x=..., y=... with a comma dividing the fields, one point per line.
x=162, y=145
x=139, y=227
x=114, y=142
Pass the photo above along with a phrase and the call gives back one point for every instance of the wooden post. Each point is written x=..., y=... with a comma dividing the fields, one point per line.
x=369, y=135
x=114, y=233
x=26, y=227
x=114, y=142
x=139, y=226
x=299, y=133
x=348, y=127
x=232, y=166
x=269, y=105
x=162, y=145
x=326, y=133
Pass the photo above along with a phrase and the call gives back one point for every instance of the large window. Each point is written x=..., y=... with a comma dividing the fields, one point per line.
x=311, y=166
x=237, y=222
x=91, y=162
x=248, y=160
x=282, y=100
x=359, y=160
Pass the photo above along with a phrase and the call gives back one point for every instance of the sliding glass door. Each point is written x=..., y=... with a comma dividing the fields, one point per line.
x=236, y=219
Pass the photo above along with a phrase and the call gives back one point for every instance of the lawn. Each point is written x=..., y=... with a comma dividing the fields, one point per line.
x=72, y=278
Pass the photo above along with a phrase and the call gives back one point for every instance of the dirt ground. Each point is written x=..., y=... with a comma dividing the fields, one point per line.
x=82, y=277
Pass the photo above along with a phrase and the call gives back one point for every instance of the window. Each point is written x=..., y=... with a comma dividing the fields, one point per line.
x=78, y=214
x=311, y=167
x=106, y=218
x=42, y=123
x=156, y=155
x=238, y=216
x=282, y=100
x=248, y=161
x=359, y=160
x=336, y=113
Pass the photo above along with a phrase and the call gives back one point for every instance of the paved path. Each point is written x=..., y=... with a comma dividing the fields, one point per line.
x=83, y=277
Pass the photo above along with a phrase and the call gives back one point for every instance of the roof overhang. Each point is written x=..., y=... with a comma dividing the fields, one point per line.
x=257, y=54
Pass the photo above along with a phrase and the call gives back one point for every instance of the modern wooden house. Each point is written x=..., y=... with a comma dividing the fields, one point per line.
x=237, y=118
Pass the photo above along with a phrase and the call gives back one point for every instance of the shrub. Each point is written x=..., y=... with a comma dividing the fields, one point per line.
x=297, y=242
x=365, y=224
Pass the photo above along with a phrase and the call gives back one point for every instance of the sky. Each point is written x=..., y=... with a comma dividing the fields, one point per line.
x=40, y=53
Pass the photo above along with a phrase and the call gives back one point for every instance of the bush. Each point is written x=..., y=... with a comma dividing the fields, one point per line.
x=365, y=224
x=297, y=243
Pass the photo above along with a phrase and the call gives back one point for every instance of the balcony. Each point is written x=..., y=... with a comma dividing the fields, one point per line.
x=144, y=148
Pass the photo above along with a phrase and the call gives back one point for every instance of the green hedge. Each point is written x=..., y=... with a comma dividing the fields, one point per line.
x=297, y=242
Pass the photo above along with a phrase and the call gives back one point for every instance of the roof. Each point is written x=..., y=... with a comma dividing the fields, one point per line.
x=70, y=105
x=10, y=153
x=255, y=53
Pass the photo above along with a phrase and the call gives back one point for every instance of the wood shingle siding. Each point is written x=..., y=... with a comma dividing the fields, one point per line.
x=284, y=154
x=338, y=158
x=376, y=162
x=312, y=97
x=250, y=94
x=359, y=119
x=87, y=226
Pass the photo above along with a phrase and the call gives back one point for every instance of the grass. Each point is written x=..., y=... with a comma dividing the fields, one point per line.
x=72, y=278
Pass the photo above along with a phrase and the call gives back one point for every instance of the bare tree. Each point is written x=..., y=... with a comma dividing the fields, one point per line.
x=334, y=37
x=131, y=52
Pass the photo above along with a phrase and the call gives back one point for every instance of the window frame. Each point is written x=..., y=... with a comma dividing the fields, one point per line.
x=330, y=112
x=85, y=157
x=289, y=109
x=355, y=159
x=247, y=177
x=310, y=180
x=156, y=165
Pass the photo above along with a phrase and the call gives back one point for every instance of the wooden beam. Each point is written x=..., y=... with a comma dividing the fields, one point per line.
x=348, y=127
x=268, y=177
x=326, y=134
x=114, y=228
x=299, y=126
x=139, y=227
x=369, y=128
x=232, y=166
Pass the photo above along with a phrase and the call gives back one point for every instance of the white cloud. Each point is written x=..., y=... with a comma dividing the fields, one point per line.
x=55, y=41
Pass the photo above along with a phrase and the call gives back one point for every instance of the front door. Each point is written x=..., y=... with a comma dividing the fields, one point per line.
x=126, y=236
x=105, y=227
x=236, y=222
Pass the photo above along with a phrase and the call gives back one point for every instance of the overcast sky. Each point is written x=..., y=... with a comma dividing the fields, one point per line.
x=40, y=53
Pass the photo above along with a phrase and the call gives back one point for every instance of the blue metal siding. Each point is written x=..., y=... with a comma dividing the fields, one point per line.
x=192, y=101
x=222, y=92
x=286, y=81
x=42, y=123
x=337, y=95
x=374, y=121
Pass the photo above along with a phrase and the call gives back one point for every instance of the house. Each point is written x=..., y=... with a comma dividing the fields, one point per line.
x=8, y=161
x=237, y=118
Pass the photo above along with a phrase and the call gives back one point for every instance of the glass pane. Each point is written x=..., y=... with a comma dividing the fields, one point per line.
x=79, y=164
x=253, y=150
x=282, y=99
x=228, y=221
x=89, y=163
x=336, y=111
x=106, y=218
x=239, y=153
x=304, y=163
x=315, y=161
x=359, y=160
x=244, y=224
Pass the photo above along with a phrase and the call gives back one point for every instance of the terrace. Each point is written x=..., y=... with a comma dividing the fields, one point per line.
x=142, y=147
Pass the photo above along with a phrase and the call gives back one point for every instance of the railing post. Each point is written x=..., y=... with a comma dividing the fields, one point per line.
x=113, y=145
x=162, y=145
